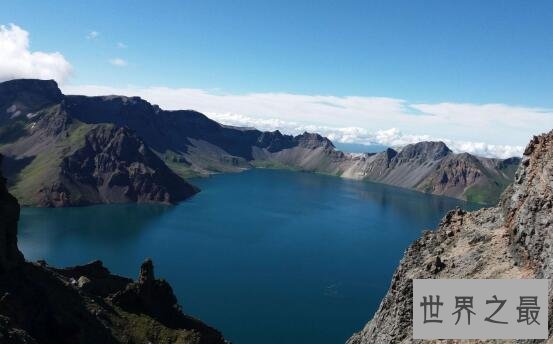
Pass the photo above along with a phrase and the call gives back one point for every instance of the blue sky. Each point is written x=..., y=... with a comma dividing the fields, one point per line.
x=469, y=51
x=422, y=52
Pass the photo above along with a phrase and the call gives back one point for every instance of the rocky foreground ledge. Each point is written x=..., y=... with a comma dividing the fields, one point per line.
x=512, y=240
x=85, y=304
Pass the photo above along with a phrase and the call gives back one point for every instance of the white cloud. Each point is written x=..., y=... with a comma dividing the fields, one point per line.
x=17, y=61
x=119, y=62
x=389, y=137
x=92, y=35
x=121, y=45
x=395, y=138
x=486, y=129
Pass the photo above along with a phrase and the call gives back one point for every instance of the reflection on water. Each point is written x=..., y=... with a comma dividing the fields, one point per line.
x=261, y=254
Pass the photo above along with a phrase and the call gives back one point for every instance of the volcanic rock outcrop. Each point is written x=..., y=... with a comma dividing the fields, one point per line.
x=114, y=166
x=511, y=240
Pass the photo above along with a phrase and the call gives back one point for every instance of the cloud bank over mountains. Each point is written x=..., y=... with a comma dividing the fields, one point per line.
x=18, y=61
x=491, y=130
x=392, y=137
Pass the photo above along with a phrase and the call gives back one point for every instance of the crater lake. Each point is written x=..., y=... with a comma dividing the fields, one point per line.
x=265, y=256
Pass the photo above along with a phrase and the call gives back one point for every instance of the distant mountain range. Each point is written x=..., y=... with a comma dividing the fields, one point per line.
x=68, y=150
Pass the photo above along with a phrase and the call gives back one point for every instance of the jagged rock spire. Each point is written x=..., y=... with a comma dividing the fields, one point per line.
x=146, y=275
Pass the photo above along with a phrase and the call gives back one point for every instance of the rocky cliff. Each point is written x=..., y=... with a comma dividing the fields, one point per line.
x=511, y=240
x=113, y=166
x=56, y=160
x=84, y=304
x=41, y=129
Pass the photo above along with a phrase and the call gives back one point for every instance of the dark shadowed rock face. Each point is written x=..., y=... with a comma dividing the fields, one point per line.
x=10, y=255
x=114, y=166
x=313, y=140
x=512, y=240
x=85, y=304
x=19, y=97
x=274, y=141
x=148, y=295
x=425, y=151
x=10, y=258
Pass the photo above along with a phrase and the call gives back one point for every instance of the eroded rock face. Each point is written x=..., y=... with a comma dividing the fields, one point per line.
x=114, y=166
x=528, y=207
x=512, y=240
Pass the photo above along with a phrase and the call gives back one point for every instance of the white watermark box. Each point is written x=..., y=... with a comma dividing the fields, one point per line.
x=480, y=308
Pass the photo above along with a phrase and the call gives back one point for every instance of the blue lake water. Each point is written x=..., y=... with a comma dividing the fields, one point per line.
x=265, y=256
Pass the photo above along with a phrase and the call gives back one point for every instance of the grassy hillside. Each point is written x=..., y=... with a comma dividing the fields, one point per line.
x=44, y=168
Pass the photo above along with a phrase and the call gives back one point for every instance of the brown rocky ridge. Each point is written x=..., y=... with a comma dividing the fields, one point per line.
x=85, y=304
x=511, y=240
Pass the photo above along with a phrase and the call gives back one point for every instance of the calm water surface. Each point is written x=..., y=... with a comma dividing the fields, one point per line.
x=265, y=256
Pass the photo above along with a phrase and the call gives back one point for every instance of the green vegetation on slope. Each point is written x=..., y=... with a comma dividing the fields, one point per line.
x=45, y=166
x=510, y=170
x=273, y=165
x=490, y=193
x=137, y=327
x=487, y=194
x=483, y=194
x=176, y=163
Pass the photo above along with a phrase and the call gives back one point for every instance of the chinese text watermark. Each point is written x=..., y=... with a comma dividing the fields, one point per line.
x=480, y=309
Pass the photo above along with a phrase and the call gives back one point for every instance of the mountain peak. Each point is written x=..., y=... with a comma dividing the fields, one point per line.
x=45, y=87
x=429, y=149
x=25, y=95
x=314, y=140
